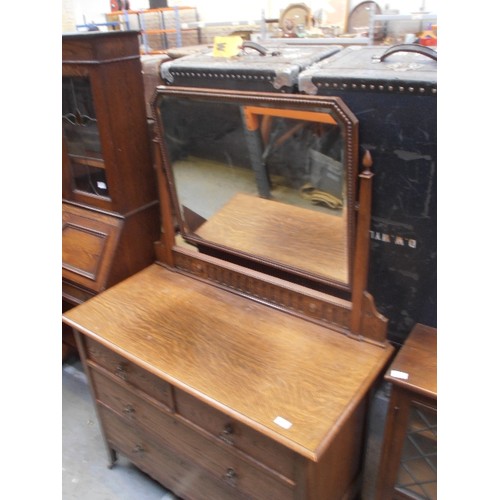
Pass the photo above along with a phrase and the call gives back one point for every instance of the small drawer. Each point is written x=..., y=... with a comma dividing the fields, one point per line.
x=223, y=462
x=181, y=476
x=236, y=434
x=129, y=372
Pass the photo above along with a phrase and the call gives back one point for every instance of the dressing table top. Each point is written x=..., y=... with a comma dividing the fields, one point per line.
x=260, y=365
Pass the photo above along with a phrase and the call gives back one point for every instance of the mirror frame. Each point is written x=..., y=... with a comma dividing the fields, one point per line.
x=341, y=114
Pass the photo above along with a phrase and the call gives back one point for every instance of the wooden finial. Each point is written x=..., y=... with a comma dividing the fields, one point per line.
x=367, y=161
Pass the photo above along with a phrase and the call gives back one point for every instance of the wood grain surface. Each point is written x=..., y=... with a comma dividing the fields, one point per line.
x=418, y=360
x=241, y=357
x=303, y=239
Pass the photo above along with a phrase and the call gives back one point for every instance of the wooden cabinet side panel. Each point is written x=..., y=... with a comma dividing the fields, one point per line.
x=123, y=128
x=337, y=474
x=136, y=247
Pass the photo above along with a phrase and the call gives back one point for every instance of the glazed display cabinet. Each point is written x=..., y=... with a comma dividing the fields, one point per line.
x=408, y=468
x=110, y=210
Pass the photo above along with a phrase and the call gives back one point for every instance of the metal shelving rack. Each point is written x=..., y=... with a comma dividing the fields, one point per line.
x=160, y=29
x=418, y=16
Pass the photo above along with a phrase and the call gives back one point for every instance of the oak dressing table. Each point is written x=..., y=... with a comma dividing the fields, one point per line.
x=227, y=371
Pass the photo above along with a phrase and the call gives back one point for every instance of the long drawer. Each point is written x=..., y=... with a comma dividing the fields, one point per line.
x=181, y=476
x=230, y=466
x=236, y=434
x=130, y=372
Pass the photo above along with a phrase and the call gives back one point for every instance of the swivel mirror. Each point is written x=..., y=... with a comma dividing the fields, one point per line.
x=263, y=180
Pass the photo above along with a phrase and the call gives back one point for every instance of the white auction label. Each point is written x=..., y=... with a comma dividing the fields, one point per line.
x=283, y=422
x=398, y=374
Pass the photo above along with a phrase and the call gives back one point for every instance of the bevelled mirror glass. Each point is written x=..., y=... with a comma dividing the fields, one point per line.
x=263, y=180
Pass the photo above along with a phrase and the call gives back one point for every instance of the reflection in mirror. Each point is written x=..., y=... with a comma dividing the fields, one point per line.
x=269, y=179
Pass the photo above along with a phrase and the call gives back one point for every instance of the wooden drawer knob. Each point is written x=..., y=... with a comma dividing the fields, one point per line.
x=121, y=371
x=227, y=434
x=231, y=476
x=129, y=410
x=138, y=450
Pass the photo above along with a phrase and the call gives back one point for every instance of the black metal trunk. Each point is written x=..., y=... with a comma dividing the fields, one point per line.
x=261, y=68
x=393, y=93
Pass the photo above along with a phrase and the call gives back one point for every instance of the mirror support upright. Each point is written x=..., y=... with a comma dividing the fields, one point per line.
x=361, y=250
x=366, y=321
x=163, y=248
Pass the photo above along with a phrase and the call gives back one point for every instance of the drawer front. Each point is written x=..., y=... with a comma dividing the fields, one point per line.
x=89, y=241
x=130, y=373
x=233, y=433
x=224, y=462
x=181, y=476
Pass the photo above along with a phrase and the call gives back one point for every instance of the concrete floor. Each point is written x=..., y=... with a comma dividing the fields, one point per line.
x=85, y=472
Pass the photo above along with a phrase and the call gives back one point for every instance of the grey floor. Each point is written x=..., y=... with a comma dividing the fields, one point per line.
x=85, y=472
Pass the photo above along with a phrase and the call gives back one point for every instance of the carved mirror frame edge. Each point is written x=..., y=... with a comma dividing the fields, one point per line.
x=333, y=104
x=358, y=319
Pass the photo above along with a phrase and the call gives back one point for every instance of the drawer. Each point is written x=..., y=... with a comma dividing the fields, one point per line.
x=181, y=476
x=236, y=434
x=130, y=373
x=224, y=462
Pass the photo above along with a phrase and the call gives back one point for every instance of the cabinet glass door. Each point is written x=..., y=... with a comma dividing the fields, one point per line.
x=417, y=477
x=81, y=133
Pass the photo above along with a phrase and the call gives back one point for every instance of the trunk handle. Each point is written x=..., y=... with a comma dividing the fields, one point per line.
x=407, y=47
x=247, y=44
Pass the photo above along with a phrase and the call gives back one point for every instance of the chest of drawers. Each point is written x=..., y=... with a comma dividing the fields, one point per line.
x=216, y=396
